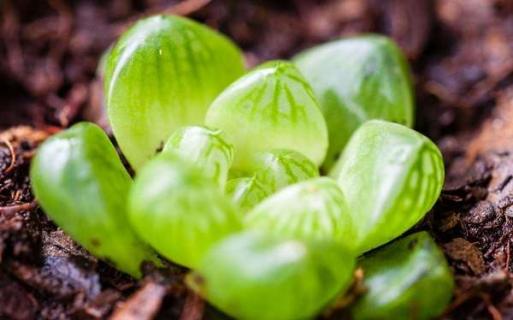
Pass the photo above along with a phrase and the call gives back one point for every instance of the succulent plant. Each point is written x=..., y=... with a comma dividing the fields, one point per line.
x=315, y=209
x=204, y=147
x=279, y=168
x=161, y=75
x=407, y=279
x=271, y=107
x=391, y=176
x=259, y=276
x=357, y=79
x=246, y=192
x=80, y=182
x=180, y=212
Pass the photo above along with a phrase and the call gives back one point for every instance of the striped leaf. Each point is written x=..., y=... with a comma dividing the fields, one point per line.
x=161, y=75
x=246, y=192
x=357, y=79
x=270, y=172
x=315, y=209
x=391, y=176
x=260, y=276
x=205, y=148
x=277, y=169
x=271, y=107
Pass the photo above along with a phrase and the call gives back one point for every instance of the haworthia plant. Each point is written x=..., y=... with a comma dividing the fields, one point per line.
x=407, y=279
x=391, y=176
x=246, y=192
x=204, y=147
x=178, y=211
x=357, y=79
x=82, y=185
x=279, y=168
x=315, y=209
x=163, y=74
x=260, y=276
x=269, y=172
x=271, y=107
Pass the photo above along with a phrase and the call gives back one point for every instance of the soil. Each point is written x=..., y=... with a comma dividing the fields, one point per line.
x=461, y=55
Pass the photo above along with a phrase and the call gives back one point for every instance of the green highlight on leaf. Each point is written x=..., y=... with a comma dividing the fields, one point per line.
x=358, y=79
x=259, y=276
x=407, y=279
x=162, y=74
x=271, y=107
x=247, y=192
x=81, y=184
x=178, y=210
x=315, y=209
x=280, y=168
x=205, y=148
x=269, y=172
x=391, y=176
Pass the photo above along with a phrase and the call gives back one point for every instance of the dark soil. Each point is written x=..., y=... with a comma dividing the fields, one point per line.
x=462, y=56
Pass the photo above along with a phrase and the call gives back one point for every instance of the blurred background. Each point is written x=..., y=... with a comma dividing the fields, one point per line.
x=50, y=49
x=462, y=62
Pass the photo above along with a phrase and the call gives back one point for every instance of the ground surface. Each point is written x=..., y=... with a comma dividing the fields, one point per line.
x=462, y=57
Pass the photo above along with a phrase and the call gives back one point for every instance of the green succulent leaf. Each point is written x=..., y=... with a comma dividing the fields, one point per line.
x=178, y=211
x=315, y=209
x=271, y=107
x=163, y=74
x=358, y=79
x=82, y=185
x=205, y=148
x=407, y=279
x=259, y=276
x=269, y=172
x=246, y=192
x=391, y=176
x=279, y=168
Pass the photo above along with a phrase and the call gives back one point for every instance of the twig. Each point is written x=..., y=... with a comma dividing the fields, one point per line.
x=183, y=8
x=193, y=308
x=186, y=7
x=459, y=300
x=492, y=310
x=10, y=210
x=143, y=304
x=13, y=155
x=354, y=292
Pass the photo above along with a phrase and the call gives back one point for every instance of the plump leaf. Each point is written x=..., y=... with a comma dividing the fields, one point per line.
x=269, y=172
x=246, y=192
x=357, y=79
x=391, y=176
x=178, y=211
x=280, y=168
x=81, y=184
x=271, y=107
x=205, y=148
x=315, y=209
x=161, y=75
x=407, y=279
x=259, y=276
